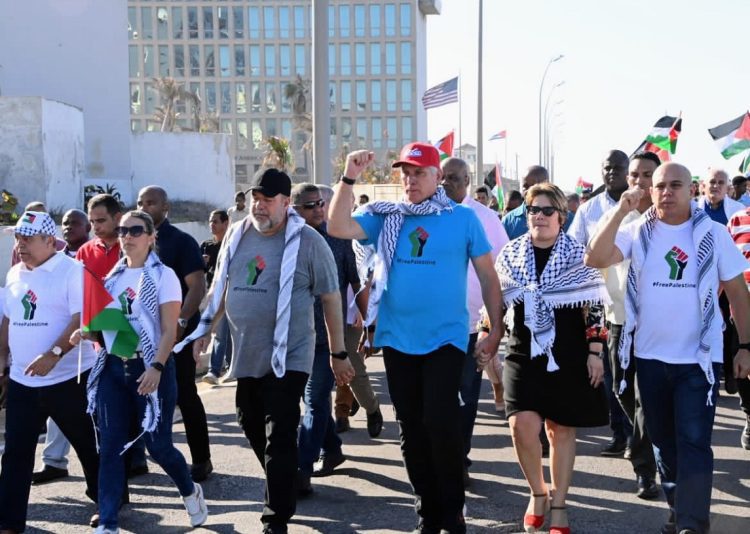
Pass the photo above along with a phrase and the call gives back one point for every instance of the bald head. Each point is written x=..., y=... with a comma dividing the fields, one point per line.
x=75, y=229
x=671, y=193
x=153, y=200
x=615, y=173
x=536, y=174
x=455, y=178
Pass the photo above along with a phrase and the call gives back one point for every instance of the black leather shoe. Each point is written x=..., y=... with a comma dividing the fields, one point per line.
x=745, y=437
x=138, y=470
x=199, y=472
x=275, y=528
x=375, y=423
x=670, y=527
x=342, y=425
x=48, y=474
x=615, y=447
x=304, y=487
x=327, y=463
x=688, y=531
x=647, y=488
x=354, y=409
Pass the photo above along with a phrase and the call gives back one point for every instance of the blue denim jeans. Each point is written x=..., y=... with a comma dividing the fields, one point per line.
x=471, y=385
x=222, y=347
x=116, y=404
x=679, y=422
x=318, y=431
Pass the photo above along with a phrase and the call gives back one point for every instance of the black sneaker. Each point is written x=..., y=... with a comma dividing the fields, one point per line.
x=48, y=474
x=647, y=488
x=275, y=528
x=327, y=463
x=615, y=447
x=745, y=436
x=375, y=423
x=199, y=472
x=670, y=527
x=342, y=425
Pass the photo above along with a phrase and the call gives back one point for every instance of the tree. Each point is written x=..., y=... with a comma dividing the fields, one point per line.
x=278, y=153
x=297, y=94
x=170, y=92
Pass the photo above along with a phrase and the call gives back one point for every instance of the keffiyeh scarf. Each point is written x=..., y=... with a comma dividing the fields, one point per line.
x=292, y=235
x=146, y=309
x=377, y=259
x=703, y=239
x=565, y=281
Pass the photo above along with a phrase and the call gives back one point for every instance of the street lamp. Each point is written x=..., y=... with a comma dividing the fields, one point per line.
x=551, y=135
x=541, y=88
x=546, y=121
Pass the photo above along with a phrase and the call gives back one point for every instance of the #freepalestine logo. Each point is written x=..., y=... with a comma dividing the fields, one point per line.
x=254, y=268
x=418, y=240
x=126, y=299
x=677, y=261
x=29, y=305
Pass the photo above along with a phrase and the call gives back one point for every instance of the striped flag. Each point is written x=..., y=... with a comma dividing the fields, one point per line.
x=662, y=140
x=499, y=189
x=745, y=165
x=732, y=137
x=499, y=135
x=582, y=185
x=445, y=146
x=444, y=93
x=102, y=313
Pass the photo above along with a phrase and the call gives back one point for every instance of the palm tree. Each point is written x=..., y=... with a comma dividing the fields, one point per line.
x=170, y=92
x=298, y=94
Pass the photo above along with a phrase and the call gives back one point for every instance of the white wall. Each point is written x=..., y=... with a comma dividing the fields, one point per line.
x=74, y=51
x=188, y=165
x=41, y=151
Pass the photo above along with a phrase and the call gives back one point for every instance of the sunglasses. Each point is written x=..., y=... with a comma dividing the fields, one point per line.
x=547, y=211
x=135, y=231
x=312, y=204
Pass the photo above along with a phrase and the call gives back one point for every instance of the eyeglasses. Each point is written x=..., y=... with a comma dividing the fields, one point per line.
x=312, y=204
x=547, y=211
x=135, y=231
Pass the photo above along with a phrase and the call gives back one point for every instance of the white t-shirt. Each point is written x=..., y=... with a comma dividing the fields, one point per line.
x=669, y=319
x=125, y=291
x=237, y=215
x=39, y=304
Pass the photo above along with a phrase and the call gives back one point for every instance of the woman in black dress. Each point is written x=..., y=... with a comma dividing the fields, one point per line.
x=553, y=369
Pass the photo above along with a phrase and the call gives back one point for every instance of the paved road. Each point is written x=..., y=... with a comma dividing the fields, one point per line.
x=370, y=493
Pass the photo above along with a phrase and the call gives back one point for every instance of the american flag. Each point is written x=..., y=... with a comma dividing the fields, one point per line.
x=444, y=93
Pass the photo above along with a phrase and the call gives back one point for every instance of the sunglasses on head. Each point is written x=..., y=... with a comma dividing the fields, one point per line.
x=135, y=231
x=547, y=211
x=312, y=204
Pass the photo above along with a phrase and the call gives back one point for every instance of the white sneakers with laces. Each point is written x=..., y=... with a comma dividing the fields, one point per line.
x=196, y=507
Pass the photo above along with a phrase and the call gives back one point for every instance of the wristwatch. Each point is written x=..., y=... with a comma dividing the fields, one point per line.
x=158, y=366
x=348, y=181
x=343, y=355
x=182, y=322
x=745, y=346
x=57, y=351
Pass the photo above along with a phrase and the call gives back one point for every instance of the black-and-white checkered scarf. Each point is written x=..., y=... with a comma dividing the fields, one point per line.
x=377, y=259
x=565, y=281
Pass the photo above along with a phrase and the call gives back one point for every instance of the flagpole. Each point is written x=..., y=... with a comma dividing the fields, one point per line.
x=459, y=117
x=505, y=159
x=480, y=133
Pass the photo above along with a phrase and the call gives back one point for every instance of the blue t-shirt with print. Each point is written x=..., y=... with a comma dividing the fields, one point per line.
x=424, y=304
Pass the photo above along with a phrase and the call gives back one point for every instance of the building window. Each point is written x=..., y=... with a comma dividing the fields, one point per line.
x=333, y=135
x=135, y=98
x=147, y=23
x=286, y=105
x=390, y=58
x=361, y=133
x=179, y=61
x=360, y=63
x=256, y=133
x=299, y=22
x=163, y=60
x=346, y=130
x=254, y=60
x=132, y=24
x=286, y=128
x=255, y=97
x=346, y=59
x=271, y=128
x=390, y=95
x=271, y=98
x=223, y=16
x=284, y=22
x=270, y=57
x=376, y=95
x=406, y=57
x=192, y=22
x=239, y=60
x=148, y=61
x=331, y=21
x=377, y=133
x=208, y=22
x=359, y=20
x=177, y=24
x=331, y=60
x=240, y=170
x=406, y=130
x=134, y=68
x=375, y=20
x=195, y=60
x=152, y=99
x=406, y=96
x=240, y=98
x=209, y=62
x=391, y=132
x=375, y=59
x=225, y=61
x=361, y=88
x=346, y=96
x=299, y=59
x=254, y=26
x=285, y=60
x=332, y=95
x=390, y=19
x=405, y=19
x=269, y=24
x=210, y=97
x=226, y=126
x=238, y=20
x=162, y=23
x=344, y=22
x=136, y=126
x=226, y=97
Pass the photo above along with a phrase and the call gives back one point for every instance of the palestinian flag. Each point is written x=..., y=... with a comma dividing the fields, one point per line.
x=745, y=165
x=102, y=313
x=445, y=146
x=732, y=137
x=498, y=189
x=662, y=140
x=582, y=186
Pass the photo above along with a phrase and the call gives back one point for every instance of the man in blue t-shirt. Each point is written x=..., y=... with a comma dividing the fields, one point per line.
x=419, y=250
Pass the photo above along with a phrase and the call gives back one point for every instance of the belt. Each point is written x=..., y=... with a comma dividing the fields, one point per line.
x=136, y=356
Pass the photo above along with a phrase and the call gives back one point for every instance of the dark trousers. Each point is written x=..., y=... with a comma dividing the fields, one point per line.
x=268, y=412
x=471, y=386
x=618, y=421
x=731, y=341
x=642, y=453
x=424, y=390
x=27, y=409
x=191, y=406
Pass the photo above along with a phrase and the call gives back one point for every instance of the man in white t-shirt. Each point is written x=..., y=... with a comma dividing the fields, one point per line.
x=42, y=306
x=679, y=257
x=239, y=210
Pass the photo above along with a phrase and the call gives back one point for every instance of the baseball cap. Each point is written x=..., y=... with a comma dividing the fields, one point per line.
x=272, y=182
x=35, y=223
x=419, y=155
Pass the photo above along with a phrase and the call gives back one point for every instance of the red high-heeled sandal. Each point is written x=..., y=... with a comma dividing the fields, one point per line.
x=558, y=530
x=532, y=522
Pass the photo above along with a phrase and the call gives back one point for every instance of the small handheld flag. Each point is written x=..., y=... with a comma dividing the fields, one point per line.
x=445, y=146
x=732, y=137
x=499, y=135
x=102, y=313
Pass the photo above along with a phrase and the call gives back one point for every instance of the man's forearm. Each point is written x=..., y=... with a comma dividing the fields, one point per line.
x=334, y=321
x=601, y=249
x=191, y=304
x=63, y=341
x=739, y=300
x=340, y=214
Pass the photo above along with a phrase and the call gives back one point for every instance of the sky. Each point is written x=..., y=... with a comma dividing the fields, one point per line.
x=626, y=64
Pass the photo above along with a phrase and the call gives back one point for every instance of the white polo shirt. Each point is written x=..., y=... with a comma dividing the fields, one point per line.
x=39, y=304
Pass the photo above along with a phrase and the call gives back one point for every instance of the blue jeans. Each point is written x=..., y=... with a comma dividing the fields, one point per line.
x=116, y=403
x=318, y=431
x=680, y=423
x=471, y=385
x=222, y=347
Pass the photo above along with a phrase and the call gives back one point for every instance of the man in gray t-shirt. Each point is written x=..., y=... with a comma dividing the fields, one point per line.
x=268, y=251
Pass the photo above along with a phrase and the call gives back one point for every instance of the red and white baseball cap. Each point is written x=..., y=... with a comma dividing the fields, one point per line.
x=419, y=155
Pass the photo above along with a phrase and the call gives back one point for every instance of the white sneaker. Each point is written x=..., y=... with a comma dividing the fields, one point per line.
x=228, y=379
x=210, y=378
x=101, y=529
x=196, y=508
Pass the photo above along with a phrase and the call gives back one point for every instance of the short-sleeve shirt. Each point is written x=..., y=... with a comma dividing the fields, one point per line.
x=252, y=294
x=424, y=305
x=97, y=257
x=739, y=227
x=125, y=291
x=669, y=289
x=178, y=251
x=210, y=248
x=39, y=305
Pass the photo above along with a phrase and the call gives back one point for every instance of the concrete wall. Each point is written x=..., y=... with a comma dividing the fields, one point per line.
x=189, y=166
x=74, y=51
x=41, y=151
